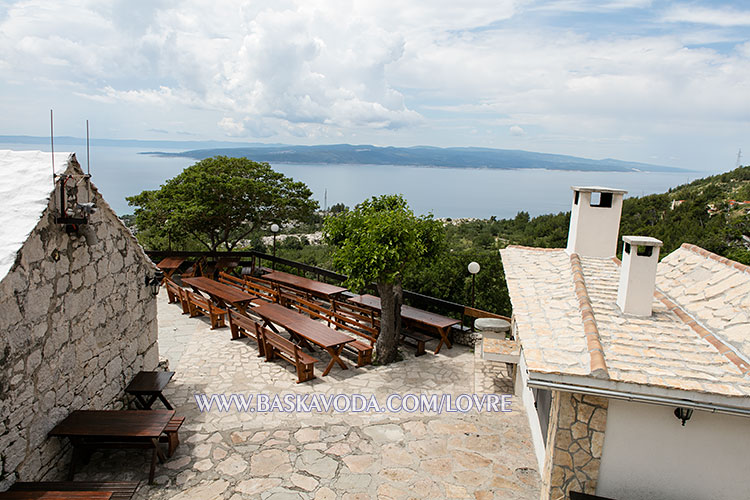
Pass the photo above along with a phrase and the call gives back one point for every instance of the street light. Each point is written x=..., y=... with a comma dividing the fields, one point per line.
x=274, y=230
x=473, y=269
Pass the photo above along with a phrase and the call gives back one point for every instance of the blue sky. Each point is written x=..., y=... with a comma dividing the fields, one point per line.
x=639, y=80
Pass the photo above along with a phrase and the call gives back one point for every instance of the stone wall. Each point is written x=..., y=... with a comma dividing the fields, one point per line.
x=76, y=323
x=575, y=438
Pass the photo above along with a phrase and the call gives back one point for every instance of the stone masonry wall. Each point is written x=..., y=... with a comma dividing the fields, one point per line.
x=575, y=438
x=76, y=323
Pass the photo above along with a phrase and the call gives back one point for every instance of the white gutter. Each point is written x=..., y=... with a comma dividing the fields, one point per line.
x=640, y=398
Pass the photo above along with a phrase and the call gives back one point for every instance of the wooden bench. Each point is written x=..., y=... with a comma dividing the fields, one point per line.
x=120, y=490
x=200, y=305
x=362, y=349
x=241, y=325
x=415, y=339
x=264, y=289
x=173, y=291
x=170, y=435
x=275, y=345
x=229, y=279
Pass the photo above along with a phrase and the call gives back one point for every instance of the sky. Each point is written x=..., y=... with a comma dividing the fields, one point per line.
x=638, y=80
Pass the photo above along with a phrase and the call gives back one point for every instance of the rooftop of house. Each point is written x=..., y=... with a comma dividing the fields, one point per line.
x=696, y=340
x=24, y=195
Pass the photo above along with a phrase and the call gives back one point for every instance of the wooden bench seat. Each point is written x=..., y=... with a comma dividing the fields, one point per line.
x=121, y=490
x=229, y=279
x=264, y=289
x=362, y=347
x=200, y=305
x=173, y=291
x=415, y=339
x=241, y=325
x=170, y=435
x=275, y=345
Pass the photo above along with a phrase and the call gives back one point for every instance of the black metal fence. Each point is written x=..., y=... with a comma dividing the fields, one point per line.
x=254, y=259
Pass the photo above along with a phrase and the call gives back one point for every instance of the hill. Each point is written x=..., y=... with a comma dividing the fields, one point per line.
x=423, y=156
x=707, y=212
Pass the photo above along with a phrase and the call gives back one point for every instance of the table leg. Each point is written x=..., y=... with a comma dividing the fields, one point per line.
x=443, y=339
x=164, y=400
x=334, y=352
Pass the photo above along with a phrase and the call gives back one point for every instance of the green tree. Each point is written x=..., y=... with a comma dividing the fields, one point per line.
x=378, y=242
x=220, y=201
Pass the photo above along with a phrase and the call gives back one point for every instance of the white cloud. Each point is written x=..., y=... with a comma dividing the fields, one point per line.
x=725, y=17
x=517, y=131
x=440, y=72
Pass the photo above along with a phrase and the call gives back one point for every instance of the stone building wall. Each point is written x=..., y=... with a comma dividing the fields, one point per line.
x=76, y=323
x=575, y=439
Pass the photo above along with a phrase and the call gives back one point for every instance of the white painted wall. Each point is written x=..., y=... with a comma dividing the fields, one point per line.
x=527, y=397
x=649, y=455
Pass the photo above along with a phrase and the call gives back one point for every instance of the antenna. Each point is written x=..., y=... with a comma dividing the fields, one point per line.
x=739, y=158
x=88, y=157
x=52, y=143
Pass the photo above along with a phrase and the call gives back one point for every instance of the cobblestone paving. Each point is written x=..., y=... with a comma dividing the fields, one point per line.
x=234, y=455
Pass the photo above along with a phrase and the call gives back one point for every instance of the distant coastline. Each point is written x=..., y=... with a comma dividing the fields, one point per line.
x=419, y=156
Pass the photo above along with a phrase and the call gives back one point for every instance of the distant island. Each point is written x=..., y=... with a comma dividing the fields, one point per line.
x=348, y=154
x=420, y=156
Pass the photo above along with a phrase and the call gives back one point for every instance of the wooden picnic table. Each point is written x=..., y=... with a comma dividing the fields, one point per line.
x=169, y=265
x=221, y=293
x=151, y=385
x=311, y=287
x=305, y=330
x=425, y=319
x=120, y=490
x=55, y=495
x=92, y=429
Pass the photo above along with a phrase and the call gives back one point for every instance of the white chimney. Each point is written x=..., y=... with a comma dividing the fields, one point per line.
x=595, y=221
x=640, y=255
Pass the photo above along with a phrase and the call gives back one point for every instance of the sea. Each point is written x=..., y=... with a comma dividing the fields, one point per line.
x=455, y=193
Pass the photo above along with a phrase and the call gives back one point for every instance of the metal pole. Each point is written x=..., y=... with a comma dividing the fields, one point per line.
x=274, y=252
x=473, y=276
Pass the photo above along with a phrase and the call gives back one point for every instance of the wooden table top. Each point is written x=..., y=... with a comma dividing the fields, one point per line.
x=314, y=331
x=170, y=262
x=113, y=423
x=55, y=495
x=149, y=382
x=302, y=283
x=408, y=312
x=227, y=293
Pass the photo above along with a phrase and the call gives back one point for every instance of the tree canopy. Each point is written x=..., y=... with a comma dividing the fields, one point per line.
x=378, y=242
x=220, y=201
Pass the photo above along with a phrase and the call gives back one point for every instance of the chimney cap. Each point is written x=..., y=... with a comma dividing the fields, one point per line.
x=643, y=241
x=597, y=189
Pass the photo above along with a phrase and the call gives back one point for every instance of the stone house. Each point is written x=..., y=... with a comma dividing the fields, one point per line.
x=634, y=374
x=77, y=320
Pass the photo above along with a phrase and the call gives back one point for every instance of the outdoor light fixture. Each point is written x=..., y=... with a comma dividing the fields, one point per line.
x=274, y=230
x=473, y=269
x=683, y=414
x=155, y=282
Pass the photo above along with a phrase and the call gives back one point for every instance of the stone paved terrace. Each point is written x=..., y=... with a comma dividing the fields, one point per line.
x=235, y=455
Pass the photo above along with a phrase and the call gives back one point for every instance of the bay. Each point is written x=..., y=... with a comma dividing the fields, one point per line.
x=445, y=192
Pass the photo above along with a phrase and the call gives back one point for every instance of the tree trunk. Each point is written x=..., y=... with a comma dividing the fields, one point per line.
x=391, y=298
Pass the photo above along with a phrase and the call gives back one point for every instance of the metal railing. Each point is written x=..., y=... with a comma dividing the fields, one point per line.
x=255, y=259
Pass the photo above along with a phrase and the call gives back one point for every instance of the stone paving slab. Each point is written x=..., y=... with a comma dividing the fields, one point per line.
x=235, y=455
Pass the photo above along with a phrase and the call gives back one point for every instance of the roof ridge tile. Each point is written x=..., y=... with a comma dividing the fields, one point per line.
x=718, y=258
x=590, y=328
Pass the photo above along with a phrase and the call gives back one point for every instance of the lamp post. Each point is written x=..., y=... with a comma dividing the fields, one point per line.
x=274, y=230
x=473, y=269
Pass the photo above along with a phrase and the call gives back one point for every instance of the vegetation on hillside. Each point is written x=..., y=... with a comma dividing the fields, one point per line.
x=704, y=212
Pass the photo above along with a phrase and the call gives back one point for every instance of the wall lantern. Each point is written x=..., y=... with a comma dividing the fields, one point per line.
x=155, y=282
x=683, y=414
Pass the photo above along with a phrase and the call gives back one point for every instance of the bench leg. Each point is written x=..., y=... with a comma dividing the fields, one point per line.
x=420, y=348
